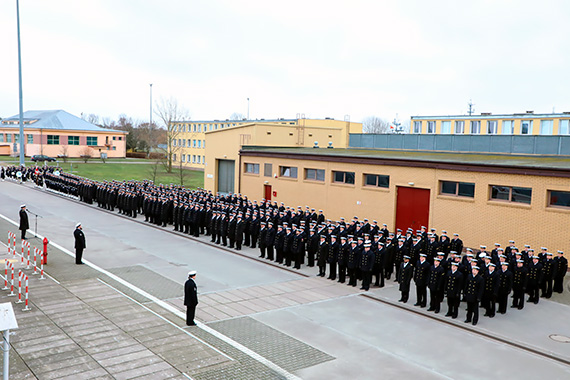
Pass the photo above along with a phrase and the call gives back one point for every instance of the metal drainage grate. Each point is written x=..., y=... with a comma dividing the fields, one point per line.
x=559, y=338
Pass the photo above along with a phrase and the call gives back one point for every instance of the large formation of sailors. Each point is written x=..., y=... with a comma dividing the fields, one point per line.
x=352, y=251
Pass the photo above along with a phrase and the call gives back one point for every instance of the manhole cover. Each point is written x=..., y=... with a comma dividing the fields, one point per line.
x=560, y=338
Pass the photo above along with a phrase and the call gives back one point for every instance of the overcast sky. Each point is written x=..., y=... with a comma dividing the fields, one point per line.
x=320, y=58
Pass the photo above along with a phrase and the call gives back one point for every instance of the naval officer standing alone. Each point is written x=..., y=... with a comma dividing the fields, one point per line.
x=79, y=243
x=190, y=298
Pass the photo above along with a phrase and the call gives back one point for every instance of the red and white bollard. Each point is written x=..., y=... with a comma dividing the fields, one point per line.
x=12, y=280
x=9, y=243
x=20, y=274
x=26, y=307
x=36, y=251
x=28, y=247
x=23, y=245
x=6, y=273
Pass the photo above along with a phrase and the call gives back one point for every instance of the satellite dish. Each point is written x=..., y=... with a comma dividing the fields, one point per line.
x=56, y=172
x=19, y=174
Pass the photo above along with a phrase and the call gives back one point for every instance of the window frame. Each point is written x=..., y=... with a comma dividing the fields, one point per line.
x=475, y=131
x=377, y=178
x=345, y=177
x=549, y=199
x=510, y=194
x=511, y=127
x=249, y=168
x=293, y=171
x=316, y=177
x=52, y=139
x=73, y=140
x=90, y=138
x=492, y=127
x=266, y=172
x=457, y=187
x=417, y=126
x=543, y=124
x=457, y=124
x=429, y=125
x=565, y=122
x=529, y=130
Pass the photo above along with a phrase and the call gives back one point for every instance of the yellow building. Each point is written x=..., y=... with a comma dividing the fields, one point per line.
x=189, y=137
x=485, y=198
x=527, y=123
x=222, y=167
x=58, y=133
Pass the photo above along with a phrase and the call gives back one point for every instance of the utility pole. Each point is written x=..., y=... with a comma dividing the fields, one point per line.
x=247, y=108
x=20, y=85
x=471, y=108
x=150, y=105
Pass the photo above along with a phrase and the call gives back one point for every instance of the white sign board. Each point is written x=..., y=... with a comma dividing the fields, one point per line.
x=7, y=317
x=209, y=176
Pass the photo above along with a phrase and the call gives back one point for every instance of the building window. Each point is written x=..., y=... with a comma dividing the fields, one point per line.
x=174, y=157
x=53, y=140
x=508, y=127
x=492, y=127
x=114, y=148
x=377, y=180
x=92, y=140
x=30, y=139
x=288, y=171
x=315, y=174
x=475, y=127
x=459, y=126
x=204, y=160
x=193, y=143
x=204, y=144
x=183, y=158
x=417, y=127
x=546, y=127
x=120, y=138
x=114, y=138
x=460, y=189
x=526, y=127
x=252, y=168
x=184, y=143
x=72, y=140
x=198, y=158
x=189, y=143
x=1, y=137
x=193, y=158
x=199, y=143
x=559, y=198
x=431, y=127
x=343, y=177
x=446, y=127
x=511, y=194
x=16, y=137
x=267, y=170
x=563, y=127
x=8, y=137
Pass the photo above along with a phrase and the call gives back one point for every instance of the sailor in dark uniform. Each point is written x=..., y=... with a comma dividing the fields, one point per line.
x=474, y=287
x=405, y=275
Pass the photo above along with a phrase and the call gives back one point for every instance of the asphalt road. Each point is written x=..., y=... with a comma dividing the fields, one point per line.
x=345, y=334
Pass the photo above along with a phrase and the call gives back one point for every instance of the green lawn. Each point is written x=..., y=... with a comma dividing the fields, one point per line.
x=121, y=169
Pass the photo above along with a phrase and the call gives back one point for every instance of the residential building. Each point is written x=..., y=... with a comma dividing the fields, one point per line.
x=527, y=123
x=58, y=133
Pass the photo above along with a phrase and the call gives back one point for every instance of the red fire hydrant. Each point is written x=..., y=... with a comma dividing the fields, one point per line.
x=44, y=256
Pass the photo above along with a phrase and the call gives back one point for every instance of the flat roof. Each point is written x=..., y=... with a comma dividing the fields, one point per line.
x=556, y=163
x=498, y=116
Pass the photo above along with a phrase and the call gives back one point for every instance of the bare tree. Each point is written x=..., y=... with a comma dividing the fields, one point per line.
x=86, y=154
x=182, y=172
x=170, y=113
x=149, y=136
x=90, y=118
x=64, y=152
x=374, y=124
x=153, y=171
x=237, y=116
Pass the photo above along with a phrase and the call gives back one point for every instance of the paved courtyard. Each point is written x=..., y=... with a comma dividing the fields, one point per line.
x=121, y=315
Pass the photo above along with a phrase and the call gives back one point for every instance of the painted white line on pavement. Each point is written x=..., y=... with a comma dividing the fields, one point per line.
x=175, y=311
x=164, y=319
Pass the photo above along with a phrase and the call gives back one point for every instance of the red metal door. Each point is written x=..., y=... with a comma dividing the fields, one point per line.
x=267, y=189
x=412, y=208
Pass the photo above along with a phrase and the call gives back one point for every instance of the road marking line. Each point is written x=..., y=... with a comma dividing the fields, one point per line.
x=166, y=320
x=172, y=309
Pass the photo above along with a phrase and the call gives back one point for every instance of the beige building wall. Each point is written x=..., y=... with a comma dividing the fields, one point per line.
x=112, y=142
x=478, y=220
x=190, y=136
x=225, y=144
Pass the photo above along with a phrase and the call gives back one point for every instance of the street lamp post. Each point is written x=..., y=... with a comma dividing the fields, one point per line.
x=247, y=108
x=150, y=106
x=20, y=87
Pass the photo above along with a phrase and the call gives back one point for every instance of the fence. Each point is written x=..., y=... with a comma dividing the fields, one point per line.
x=506, y=144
